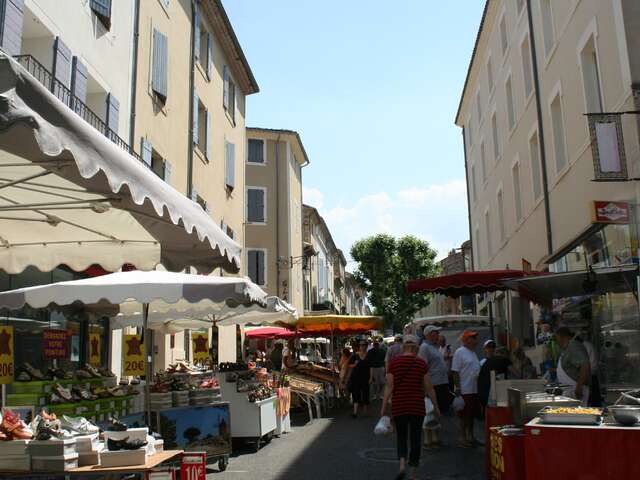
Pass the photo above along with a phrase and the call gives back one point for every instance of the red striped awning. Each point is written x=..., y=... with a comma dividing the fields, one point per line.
x=467, y=283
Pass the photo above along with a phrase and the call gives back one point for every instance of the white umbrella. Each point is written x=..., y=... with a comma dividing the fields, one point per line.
x=69, y=195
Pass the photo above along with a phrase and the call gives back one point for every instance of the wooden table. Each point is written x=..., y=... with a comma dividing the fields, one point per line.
x=152, y=462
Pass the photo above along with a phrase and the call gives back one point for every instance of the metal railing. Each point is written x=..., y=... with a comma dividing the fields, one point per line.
x=64, y=94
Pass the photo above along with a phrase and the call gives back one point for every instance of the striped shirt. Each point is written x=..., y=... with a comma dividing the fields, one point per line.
x=408, y=385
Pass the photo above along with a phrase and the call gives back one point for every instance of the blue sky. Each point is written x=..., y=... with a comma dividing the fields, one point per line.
x=372, y=87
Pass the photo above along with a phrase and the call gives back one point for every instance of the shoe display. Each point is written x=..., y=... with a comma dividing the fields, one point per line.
x=125, y=444
x=135, y=381
x=78, y=425
x=47, y=430
x=33, y=372
x=106, y=372
x=83, y=375
x=118, y=391
x=116, y=425
x=92, y=370
x=83, y=393
x=62, y=392
x=23, y=377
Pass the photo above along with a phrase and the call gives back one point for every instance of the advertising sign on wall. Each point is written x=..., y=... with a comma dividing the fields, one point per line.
x=55, y=344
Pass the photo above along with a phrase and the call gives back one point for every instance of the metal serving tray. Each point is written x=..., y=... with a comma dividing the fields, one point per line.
x=568, y=418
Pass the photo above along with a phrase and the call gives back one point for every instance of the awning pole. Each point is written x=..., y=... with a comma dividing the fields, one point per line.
x=147, y=369
x=491, y=326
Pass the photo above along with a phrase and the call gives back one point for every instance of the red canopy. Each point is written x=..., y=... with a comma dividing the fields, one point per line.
x=467, y=283
x=270, y=332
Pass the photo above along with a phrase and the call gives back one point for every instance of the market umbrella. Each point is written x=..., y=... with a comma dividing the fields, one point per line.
x=70, y=196
x=270, y=332
x=154, y=291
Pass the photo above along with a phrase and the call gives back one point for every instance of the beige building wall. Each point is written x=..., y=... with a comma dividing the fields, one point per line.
x=280, y=237
x=575, y=24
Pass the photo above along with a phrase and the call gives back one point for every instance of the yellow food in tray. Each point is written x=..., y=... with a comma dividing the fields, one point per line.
x=574, y=411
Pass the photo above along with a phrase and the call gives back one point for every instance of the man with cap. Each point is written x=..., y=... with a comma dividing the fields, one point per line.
x=430, y=352
x=574, y=367
x=393, y=351
x=466, y=368
x=496, y=360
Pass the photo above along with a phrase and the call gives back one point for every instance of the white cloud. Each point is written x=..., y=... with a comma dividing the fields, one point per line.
x=313, y=197
x=436, y=213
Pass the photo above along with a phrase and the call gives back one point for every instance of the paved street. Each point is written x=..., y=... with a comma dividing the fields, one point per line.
x=344, y=448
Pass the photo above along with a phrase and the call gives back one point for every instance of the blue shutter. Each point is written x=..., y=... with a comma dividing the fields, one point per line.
x=252, y=261
x=260, y=206
x=232, y=101
x=208, y=147
x=260, y=267
x=230, y=171
x=159, y=76
x=195, y=119
x=62, y=62
x=11, y=25
x=225, y=92
x=113, y=113
x=79, y=80
x=102, y=9
x=209, y=56
x=167, y=172
x=146, y=152
x=196, y=34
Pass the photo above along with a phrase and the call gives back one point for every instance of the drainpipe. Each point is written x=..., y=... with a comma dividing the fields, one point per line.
x=134, y=74
x=543, y=150
x=192, y=68
x=277, y=216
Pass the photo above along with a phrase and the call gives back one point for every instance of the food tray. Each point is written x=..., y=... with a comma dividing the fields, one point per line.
x=569, y=418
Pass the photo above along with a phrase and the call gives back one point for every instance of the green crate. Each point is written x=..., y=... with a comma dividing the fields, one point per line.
x=27, y=387
x=25, y=399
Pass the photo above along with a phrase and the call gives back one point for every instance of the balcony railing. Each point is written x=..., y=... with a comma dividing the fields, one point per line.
x=55, y=86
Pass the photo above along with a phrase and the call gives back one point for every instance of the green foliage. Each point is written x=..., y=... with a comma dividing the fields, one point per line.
x=385, y=266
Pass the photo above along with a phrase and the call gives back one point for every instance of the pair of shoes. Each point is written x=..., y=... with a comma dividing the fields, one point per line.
x=82, y=375
x=83, y=393
x=93, y=371
x=13, y=428
x=105, y=372
x=78, y=425
x=48, y=429
x=116, y=425
x=125, y=444
x=33, y=372
x=62, y=392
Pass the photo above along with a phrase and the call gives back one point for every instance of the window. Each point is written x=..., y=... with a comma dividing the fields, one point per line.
x=591, y=77
x=526, y=68
x=483, y=163
x=204, y=52
x=199, y=200
x=202, y=128
x=256, y=151
x=536, y=171
x=490, y=74
x=230, y=161
x=511, y=114
x=159, y=67
x=504, y=35
x=548, y=30
x=496, y=141
x=487, y=226
x=256, y=205
x=479, y=107
x=474, y=187
x=102, y=9
x=152, y=159
x=256, y=266
x=500, y=215
x=517, y=197
x=557, y=124
x=229, y=95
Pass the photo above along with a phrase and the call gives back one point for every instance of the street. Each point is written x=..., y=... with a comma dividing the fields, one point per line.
x=340, y=447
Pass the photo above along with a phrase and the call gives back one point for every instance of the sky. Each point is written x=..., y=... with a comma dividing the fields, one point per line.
x=372, y=87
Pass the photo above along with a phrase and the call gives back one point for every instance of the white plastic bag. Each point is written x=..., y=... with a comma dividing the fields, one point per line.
x=430, y=418
x=458, y=404
x=383, y=427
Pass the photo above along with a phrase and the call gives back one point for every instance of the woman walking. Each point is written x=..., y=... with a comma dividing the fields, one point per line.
x=359, y=378
x=407, y=384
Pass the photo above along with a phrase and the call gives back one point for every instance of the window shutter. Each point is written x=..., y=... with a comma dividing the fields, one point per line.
x=230, y=156
x=160, y=64
x=167, y=172
x=195, y=119
x=256, y=150
x=113, y=112
x=209, y=139
x=232, y=101
x=196, y=33
x=79, y=80
x=62, y=62
x=12, y=21
x=209, y=56
x=260, y=206
x=102, y=9
x=225, y=95
x=194, y=195
x=252, y=260
x=146, y=152
x=252, y=202
x=260, y=267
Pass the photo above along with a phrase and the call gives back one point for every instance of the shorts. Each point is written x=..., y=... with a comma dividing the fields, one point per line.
x=360, y=393
x=444, y=397
x=471, y=406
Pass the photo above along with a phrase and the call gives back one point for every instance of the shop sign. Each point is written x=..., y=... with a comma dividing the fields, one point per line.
x=193, y=466
x=6, y=355
x=95, y=354
x=200, y=347
x=161, y=474
x=55, y=344
x=133, y=355
x=611, y=212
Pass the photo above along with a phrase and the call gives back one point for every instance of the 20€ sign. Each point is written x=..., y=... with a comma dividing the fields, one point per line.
x=6, y=355
x=133, y=355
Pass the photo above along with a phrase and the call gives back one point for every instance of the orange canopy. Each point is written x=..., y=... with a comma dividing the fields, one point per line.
x=338, y=324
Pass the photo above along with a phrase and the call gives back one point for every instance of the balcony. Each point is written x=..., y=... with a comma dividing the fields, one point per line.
x=46, y=78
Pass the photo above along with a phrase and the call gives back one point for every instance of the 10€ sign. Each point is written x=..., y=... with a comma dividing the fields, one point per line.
x=193, y=466
x=133, y=355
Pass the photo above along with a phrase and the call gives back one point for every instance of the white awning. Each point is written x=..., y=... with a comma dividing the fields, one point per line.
x=70, y=196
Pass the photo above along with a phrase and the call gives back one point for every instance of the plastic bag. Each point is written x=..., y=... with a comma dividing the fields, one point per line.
x=383, y=427
x=430, y=420
x=458, y=404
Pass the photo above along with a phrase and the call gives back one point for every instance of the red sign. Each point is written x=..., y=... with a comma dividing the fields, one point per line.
x=161, y=474
x=55, y=344
x=611, y=212
x=193, y=466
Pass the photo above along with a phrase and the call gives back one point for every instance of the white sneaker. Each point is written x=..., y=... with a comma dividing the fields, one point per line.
x=78, y=425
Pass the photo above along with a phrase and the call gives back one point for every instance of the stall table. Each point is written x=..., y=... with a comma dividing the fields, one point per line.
x=152, y=462
x=494, y=416
x=608, y=451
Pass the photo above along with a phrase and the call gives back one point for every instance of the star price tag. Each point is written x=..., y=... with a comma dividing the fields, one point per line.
x=6, y=355
x=200, y=343
x=133, y=349
x=95, y=353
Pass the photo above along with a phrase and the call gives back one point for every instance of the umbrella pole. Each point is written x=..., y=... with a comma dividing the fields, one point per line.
x=147, y=368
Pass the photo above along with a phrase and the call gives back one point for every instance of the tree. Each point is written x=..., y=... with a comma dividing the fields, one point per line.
x=385, y=266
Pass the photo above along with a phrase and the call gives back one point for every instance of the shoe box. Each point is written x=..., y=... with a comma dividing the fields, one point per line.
x=87, y=443
x=14, y=455
x=57, y=463
x=52, y=447
x=131, y=433
x=123, y=458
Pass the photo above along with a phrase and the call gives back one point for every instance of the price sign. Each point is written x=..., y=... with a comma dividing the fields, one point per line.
x=161, y=474
x=95, y=353
x=55, y=344
x=193, y=466
x=134, y=362
x=6, y=355
x=200, y=343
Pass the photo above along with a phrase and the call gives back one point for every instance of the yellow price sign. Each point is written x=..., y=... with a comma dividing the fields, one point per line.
x=6, y=355
x=200, y=343
x=134, y=362
x=95, y=349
